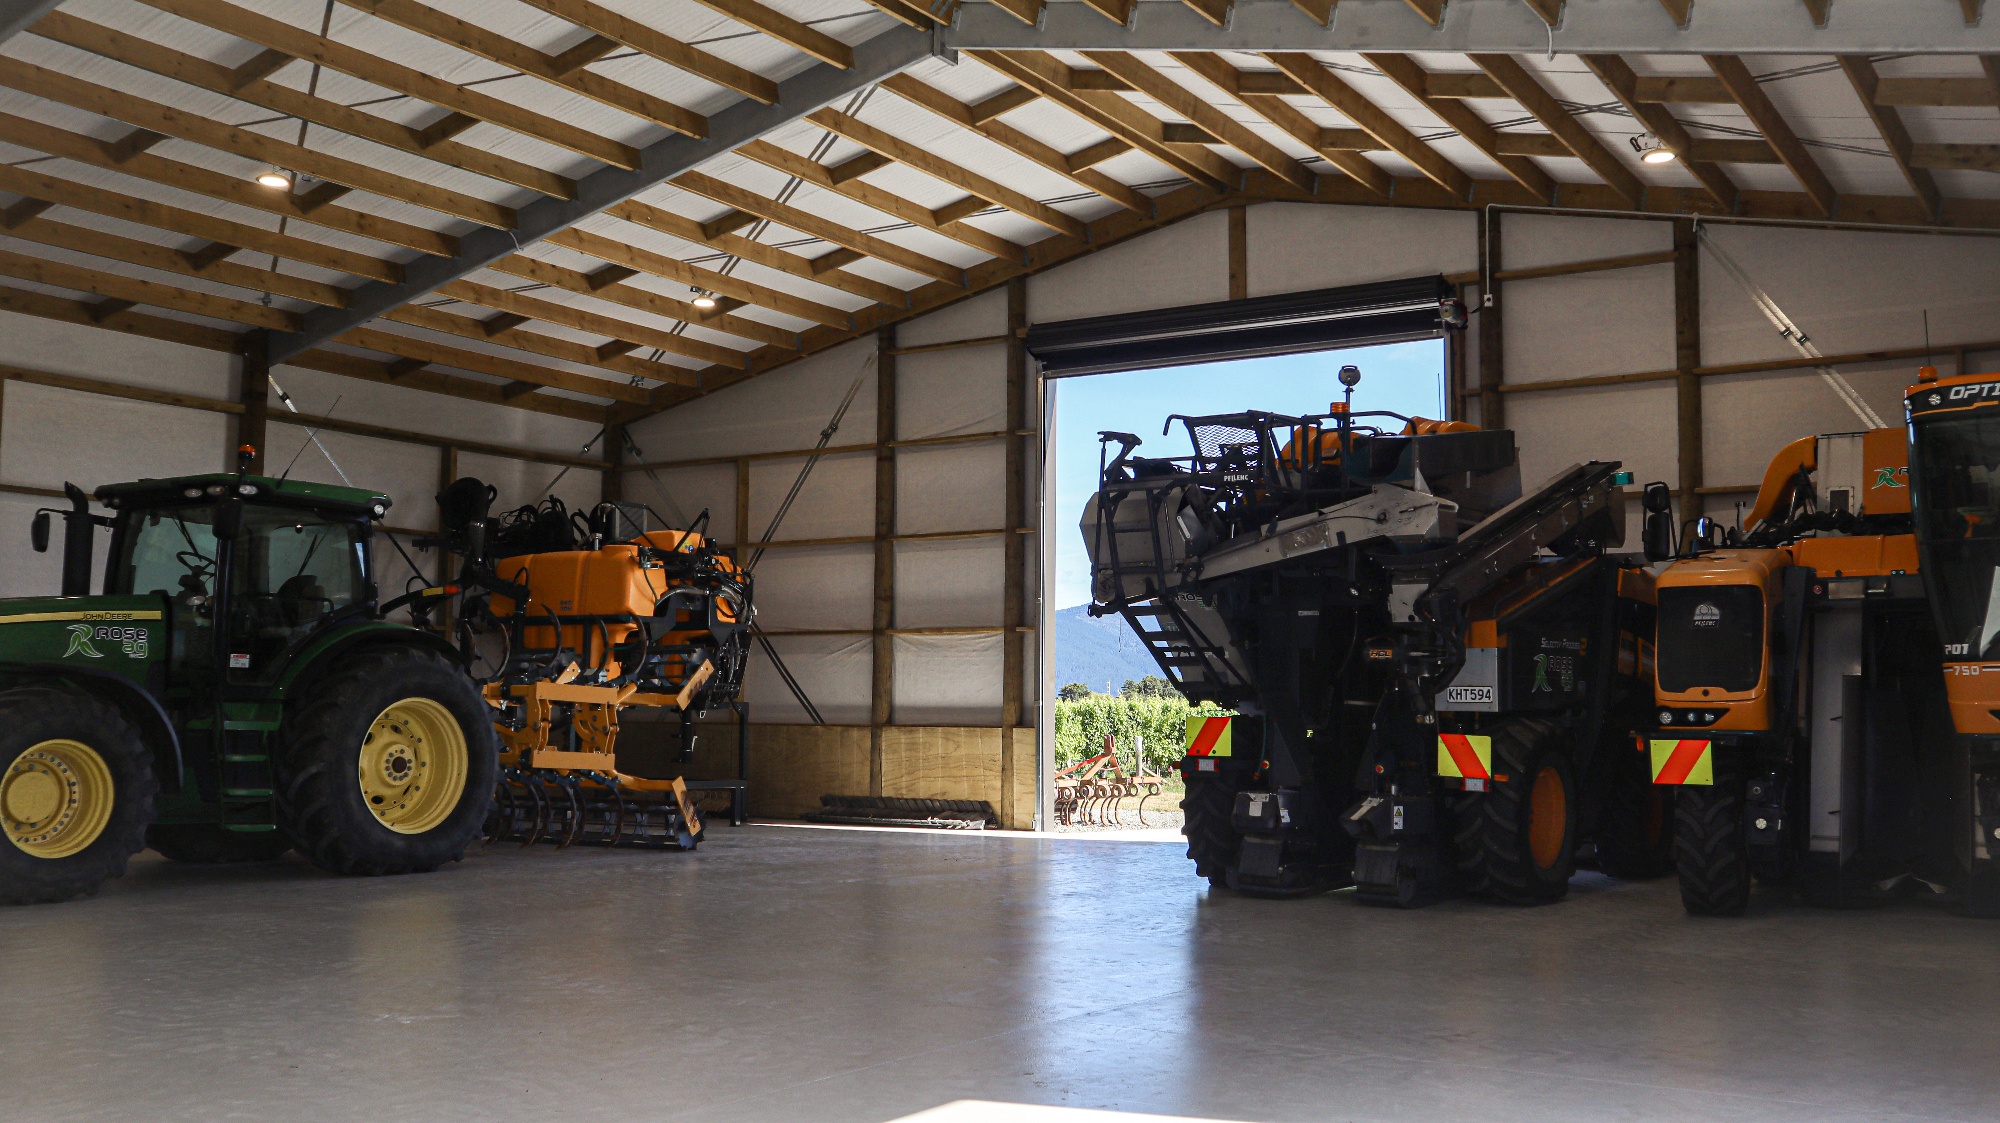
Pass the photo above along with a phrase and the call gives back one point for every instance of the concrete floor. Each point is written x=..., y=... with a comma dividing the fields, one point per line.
x=796, y=974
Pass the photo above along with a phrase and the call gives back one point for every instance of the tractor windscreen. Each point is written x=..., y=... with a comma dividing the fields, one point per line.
x=1956, y=499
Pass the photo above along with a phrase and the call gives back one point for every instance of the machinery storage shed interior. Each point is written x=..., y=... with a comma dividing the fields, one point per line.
x=646, y=250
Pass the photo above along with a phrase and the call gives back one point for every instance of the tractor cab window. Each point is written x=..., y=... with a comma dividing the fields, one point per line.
x=169, y=551
x=290, y=570
x=1956, y=501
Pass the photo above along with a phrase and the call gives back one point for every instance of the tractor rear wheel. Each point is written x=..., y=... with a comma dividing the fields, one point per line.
x=387, y=764
x=1711, y=858
x=206, y=844
x=1517, y=841
x=1208, y=803
x=76, y=793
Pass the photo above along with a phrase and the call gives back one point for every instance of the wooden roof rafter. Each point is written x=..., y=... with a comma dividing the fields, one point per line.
x=35, y=184
x=570, y=70
x=1618, y=77
x=1888, y=120
x=983, y=119
x=1286, y=117
x=1330, y=88
x=1757, y=106
x=167, y=120
x=355, y=62
x=1536, y=99
x=432, y=141
x=1410, y=74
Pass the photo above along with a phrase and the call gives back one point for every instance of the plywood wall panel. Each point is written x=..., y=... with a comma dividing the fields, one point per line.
x=949, y=583
x=1615, y=322
x=679, y=495
x=948, y=680
x=810, y=587
x=1299, y=246
x=784, y=409
x=1186, y=263
x=836, y=501
x=950, y=487
x=946, y=393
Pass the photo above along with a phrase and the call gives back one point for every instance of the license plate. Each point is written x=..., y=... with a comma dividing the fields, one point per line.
x=1469, y=694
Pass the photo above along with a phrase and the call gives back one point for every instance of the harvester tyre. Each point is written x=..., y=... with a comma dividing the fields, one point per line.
x=1517, y=840
x=209, y=844
x=1635, y=841
x=1711, y=858
x=1212, y=842
x=387, y=764
x=76, y=794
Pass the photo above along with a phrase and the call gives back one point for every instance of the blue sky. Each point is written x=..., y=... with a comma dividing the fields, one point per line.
x=1407, y=378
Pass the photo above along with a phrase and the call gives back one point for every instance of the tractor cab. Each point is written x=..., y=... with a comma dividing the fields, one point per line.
x=250, y=567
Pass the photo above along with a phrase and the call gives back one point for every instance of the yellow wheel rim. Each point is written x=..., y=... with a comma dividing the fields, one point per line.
x=413, y=765
x=56, y=798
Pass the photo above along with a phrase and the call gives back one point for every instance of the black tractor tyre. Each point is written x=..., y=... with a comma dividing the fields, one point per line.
x=208, y=844
x=386, y=716
x=48, y=789
x=1635, y=839
x=1212, y=842
x=1711, y=858
x=1517, y=840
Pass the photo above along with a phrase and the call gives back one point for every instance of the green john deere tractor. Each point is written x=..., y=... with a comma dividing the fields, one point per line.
x=234, y=693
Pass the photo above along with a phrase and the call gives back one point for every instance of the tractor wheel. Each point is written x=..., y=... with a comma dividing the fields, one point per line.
x=1635, y=840
x=1710, y=856
x=1517, y=841
x=207, y=844
x=387, y=764
x=1208, y=803
x=76, y=794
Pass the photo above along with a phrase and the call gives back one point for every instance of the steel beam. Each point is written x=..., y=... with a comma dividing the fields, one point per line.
x=887, y=54
x=17, y=15
x=1749, y=27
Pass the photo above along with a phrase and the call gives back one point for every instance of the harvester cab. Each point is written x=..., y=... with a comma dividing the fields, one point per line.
x=1799, y=717
x=233, y=692
x=1422, y=658
x=570, y=619
x=1955, y=494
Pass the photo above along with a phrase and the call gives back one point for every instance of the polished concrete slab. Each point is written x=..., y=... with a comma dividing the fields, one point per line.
x=797, y=974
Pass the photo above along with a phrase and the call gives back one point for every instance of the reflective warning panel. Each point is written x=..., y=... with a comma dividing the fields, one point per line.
x=1468, y=756
x=1208, y=736
x=1683, y=762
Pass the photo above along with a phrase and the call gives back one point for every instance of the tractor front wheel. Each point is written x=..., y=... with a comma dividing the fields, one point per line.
x=387, y=764
x=1711, y=857
x=76, y=793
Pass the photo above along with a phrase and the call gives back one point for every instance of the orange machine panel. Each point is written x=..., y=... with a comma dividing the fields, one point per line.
x=1866, y=555
x=1885, y=457
x=1973, y=689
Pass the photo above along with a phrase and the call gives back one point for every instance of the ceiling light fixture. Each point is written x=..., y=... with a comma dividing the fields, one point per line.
x=275, y=178
x=704, y=299
x=1651, y=151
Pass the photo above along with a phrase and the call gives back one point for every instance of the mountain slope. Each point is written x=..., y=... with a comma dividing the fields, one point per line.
x=1100, y=653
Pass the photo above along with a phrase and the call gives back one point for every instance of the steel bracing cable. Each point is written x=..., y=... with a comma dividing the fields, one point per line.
x=1792, y=332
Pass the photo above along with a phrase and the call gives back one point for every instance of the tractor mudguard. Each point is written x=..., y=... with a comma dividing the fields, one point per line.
x=320, y=653
x=134, y=701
